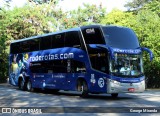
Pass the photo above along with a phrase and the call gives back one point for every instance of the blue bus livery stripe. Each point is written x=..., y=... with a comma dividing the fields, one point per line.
x=57, y=54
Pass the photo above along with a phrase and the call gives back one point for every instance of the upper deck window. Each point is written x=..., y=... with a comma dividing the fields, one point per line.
x=120, y=37
x=93, y=35
x=58, y=40
x=72, y=39
x=15, y=48
x=34, y=44
x=25, y=46
x=46, y=43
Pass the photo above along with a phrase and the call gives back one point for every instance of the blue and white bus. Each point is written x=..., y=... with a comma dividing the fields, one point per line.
x=88, y=59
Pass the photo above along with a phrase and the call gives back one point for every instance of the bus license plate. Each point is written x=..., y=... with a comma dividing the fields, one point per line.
x=131, y=89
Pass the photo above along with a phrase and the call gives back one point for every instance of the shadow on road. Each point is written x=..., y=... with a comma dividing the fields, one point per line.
x=72, y=93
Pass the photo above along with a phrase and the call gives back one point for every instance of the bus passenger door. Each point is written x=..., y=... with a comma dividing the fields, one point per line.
x=75, y=69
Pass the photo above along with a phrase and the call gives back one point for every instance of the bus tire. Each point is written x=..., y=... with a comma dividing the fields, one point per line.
x=29, y=86
x=84, y=89
x=114, y=95
x=21, y=84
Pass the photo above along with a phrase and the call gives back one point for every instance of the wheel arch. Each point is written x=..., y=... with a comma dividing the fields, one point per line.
x=21, y=77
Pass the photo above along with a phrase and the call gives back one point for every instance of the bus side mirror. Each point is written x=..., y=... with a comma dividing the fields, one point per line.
x=149, y=51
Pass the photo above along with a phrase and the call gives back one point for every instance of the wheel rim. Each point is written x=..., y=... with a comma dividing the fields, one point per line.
x=84, y=89
x=29, y=86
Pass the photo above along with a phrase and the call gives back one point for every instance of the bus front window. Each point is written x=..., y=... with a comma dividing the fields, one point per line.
x=126, y=65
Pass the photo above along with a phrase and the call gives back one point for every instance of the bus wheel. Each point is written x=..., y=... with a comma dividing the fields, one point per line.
x=29, y=85
x=114, y=95
x=84, y=89
x=21, y=84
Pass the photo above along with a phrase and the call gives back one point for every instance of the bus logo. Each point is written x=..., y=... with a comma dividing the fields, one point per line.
x=52, y=57
x=90, y=31
x=101, y=82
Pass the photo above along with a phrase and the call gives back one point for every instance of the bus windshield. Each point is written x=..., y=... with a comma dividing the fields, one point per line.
x=126, y=65
x=117, y=37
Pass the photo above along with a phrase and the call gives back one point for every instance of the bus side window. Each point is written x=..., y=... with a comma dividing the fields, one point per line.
x=15, y=48
x=59, y=66
x=34, y=45
x=72, y=39
x=58, y=40
x=78, y=67
x=99, y=61
x=45, y=43
x=25, y=46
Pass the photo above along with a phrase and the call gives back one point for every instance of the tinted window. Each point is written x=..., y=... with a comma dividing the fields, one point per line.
x=72, y=39
x=58, y=40
x=93, y=36
x=25, y=46
x=57, y=66
x=120, y=37
x=46, y=43
x=78, y=67
x=15, y=48
x=34, y=44
x=99, y=60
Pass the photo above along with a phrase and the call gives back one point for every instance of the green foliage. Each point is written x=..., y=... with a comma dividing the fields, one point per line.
x=153, y=6
x=118, y=17
x=136, y=4
x=147, y=29
x=152, y=72
x=90, y=14
x=20, y=23
x=44, y=1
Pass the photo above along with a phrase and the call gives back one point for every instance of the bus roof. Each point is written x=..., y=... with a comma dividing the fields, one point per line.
x=47, y=34
x=98, y=25
x=67, y=30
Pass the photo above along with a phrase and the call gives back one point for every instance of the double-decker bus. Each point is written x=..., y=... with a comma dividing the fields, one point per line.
x=88, y=59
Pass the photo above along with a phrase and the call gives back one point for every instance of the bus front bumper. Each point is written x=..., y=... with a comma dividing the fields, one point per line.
x=118, y=87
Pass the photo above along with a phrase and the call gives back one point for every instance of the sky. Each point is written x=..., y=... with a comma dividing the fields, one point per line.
x=73, y=4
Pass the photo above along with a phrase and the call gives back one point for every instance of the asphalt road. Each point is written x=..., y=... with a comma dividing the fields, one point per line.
x=67, y=103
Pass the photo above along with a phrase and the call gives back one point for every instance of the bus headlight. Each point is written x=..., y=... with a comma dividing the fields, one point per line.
x=115, y=82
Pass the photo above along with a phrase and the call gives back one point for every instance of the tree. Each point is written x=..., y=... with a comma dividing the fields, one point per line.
x=90, y=14
x=136, y=4
x=44, y=1
x=118, y=17
x=20, y=23
x=153, y=6
x=147, y=29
